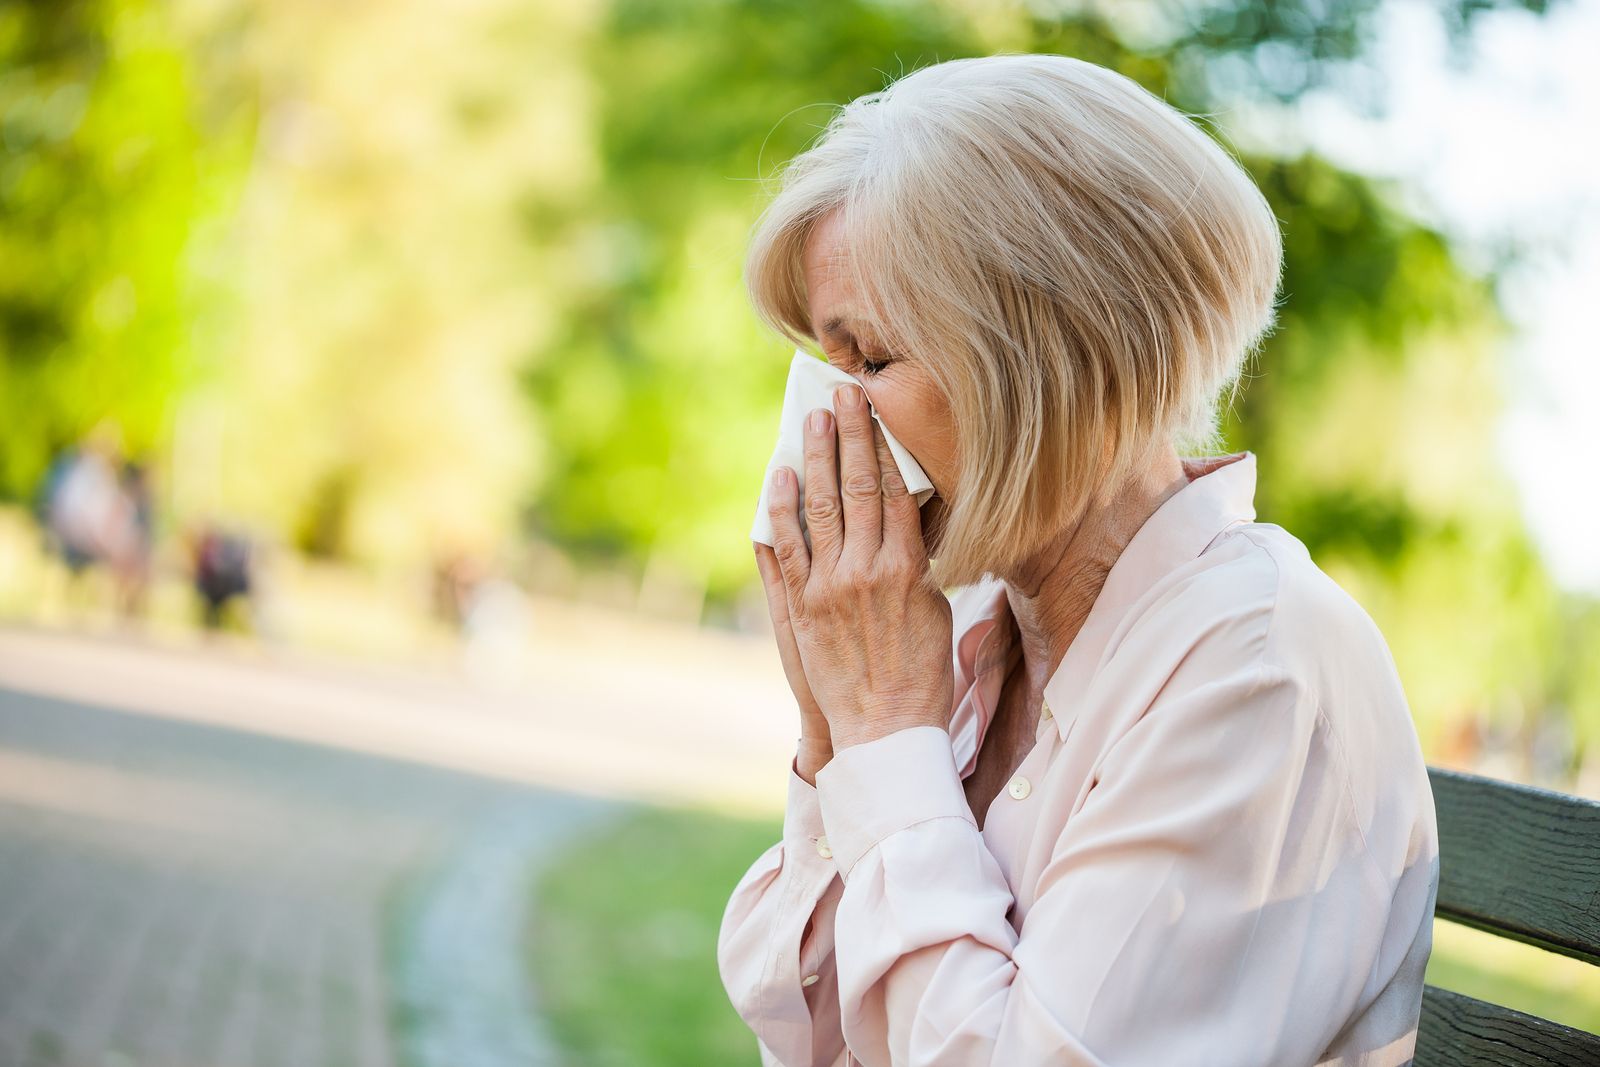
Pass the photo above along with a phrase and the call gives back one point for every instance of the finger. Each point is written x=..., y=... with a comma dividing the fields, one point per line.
x=902, y=525
x=861, y=482
x=794, y=560
x=772, y=582
x=782, y=628
x=823, y=519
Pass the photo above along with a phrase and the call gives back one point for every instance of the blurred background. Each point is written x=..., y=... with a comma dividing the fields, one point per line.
x=384, y=673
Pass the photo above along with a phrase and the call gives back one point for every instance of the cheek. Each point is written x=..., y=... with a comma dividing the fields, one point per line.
x=915, y=427
x=889, y=408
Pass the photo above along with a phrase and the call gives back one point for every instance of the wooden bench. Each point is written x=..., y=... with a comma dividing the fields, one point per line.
x=1523, y=863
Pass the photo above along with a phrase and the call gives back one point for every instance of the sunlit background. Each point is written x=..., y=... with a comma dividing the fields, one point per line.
x=384, y=673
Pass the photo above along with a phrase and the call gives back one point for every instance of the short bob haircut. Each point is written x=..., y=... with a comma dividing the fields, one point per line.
x=1079, y=268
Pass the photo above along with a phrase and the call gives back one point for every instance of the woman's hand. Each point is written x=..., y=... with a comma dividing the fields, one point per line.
x=871, y=629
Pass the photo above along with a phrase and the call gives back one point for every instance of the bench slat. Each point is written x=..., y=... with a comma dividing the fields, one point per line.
x=1519, y=861
x=1461, y=1031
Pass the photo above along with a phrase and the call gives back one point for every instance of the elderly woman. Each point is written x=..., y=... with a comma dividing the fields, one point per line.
x=1144, y=788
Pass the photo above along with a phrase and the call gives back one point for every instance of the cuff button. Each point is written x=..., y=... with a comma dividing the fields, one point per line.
x=823, y=850
x=810, y=979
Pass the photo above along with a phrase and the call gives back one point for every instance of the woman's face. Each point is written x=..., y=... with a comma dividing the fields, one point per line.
x=905, y=398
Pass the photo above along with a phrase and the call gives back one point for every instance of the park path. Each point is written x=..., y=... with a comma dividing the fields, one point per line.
x=174, y=895
x=211, y=859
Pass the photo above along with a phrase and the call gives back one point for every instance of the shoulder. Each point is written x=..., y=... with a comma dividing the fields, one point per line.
x=1255, y=605
x=1322, y=635
x=1256, y=597
x=1317, y=629
x=1255, y=611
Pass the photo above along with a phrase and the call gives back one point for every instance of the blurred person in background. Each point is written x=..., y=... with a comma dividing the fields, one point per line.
x=222, y=564
x=132, y=566
x=497, y=630
x=456, y=574
x=62, y=458
x=89, y=518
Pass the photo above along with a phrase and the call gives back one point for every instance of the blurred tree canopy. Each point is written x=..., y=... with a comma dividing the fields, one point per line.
x=104, y=179
x=395, y=279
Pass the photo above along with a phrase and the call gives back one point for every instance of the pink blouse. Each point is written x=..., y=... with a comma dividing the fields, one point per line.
x=1221, y=848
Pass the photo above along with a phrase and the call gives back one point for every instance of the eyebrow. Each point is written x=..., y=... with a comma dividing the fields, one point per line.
x=836, y=324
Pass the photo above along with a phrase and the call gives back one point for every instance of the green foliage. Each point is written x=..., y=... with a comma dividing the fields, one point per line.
x=102, y=182
x=664, y=387
x=623, y=943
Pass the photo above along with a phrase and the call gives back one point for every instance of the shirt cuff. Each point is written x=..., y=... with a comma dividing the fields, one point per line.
x=877, y=788
x=802, y=817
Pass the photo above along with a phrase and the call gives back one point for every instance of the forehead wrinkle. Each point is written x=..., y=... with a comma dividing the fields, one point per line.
x=830, y=285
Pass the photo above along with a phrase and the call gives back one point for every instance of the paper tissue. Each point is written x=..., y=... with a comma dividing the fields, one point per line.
x=811, y=385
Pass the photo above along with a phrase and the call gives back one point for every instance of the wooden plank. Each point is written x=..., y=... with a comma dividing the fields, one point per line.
x=1519, y=861
x=1461, y=1031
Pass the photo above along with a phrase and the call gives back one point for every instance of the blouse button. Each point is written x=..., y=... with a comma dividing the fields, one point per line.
x=822, y=848
x=1046, y=713
x=1020, y=787
x=810, y=979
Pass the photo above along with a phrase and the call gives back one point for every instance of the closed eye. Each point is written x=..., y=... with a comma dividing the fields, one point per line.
x=872, y=366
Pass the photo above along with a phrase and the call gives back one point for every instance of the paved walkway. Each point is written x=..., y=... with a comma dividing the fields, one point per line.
x=179, y=894
x=607, y=705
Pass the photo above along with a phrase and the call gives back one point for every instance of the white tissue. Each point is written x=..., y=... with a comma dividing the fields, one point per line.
x=811, y=385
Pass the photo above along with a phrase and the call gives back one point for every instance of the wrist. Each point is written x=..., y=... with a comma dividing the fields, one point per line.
x=811, y=755
x=872, y=731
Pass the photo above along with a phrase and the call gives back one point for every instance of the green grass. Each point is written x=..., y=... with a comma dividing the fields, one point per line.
x=624, y=948
x=624, y=941
x=1519, y=976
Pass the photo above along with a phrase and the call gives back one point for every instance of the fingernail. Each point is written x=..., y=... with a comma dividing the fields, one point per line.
x=819, y=420
x=780, y=477
x=847, y=395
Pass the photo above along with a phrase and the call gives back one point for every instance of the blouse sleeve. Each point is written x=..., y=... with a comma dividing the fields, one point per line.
x=777, y=930
x=1211, y=901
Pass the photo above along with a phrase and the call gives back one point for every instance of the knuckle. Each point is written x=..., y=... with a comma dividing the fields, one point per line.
x=821, y=507
x=894, y=484
x=787, y=551
x=863, y=483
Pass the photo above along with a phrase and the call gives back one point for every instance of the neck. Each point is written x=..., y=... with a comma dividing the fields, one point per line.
x=1050, y=594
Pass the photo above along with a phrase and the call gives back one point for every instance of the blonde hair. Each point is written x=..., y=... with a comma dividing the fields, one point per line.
x=1078, y=267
